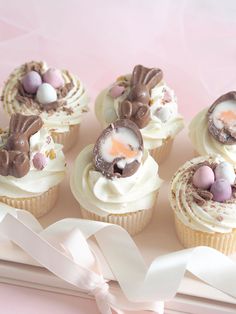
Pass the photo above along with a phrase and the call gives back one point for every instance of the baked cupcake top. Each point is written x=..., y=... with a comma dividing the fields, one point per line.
x=203, y=194
x=116, y=175
x=213, y=130
x=30, y=162
x=57, y=96
x=144, y=98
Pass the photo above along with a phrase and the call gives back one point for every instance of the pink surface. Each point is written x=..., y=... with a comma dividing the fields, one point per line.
x=192, y=41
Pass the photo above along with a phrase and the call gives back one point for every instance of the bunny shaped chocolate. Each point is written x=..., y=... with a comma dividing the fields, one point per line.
x=136, y=106
x=14, y=156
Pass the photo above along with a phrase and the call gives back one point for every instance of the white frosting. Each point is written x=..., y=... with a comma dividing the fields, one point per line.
x=77, y=100
x=210, y=217
x=103, y=196
x=35, y=182
x=161, y=126
x=204, y=143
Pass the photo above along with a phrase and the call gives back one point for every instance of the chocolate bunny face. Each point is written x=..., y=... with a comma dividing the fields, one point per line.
x=136, y=106
x=14, y=157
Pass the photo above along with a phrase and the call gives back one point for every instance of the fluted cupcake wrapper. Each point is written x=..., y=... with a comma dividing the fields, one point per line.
x=37, y=205
x=67, y=139
x=161, y=153
x=133, y=222
x=223, y=242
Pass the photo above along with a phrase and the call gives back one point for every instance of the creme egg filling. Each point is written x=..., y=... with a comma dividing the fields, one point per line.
x=121, y=143
x=225, y=114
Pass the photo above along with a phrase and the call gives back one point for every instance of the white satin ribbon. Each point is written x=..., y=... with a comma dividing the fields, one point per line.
x=72, y=260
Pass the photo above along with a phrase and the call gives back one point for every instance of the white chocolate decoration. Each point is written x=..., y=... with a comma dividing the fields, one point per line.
x=225, y=114
x=46, y=94
x=121, y=142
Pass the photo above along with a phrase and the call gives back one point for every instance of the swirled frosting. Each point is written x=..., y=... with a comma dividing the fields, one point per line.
x=204, y=143
x=36, y=181
x=160, y=127
x=75, y=101
x=211, y=216
x=104, y=196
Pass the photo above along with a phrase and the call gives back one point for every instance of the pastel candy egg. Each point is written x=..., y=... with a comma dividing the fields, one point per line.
x=53, y=77
x=46, y=93
x=39, y=161
x=225, y=171
x=221, y=190
x=163, y=114
x=203, y=177
x=31, y=81
x=116, y=91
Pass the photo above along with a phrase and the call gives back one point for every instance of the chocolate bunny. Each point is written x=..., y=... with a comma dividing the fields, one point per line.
x=136, y=106
x=14, y=156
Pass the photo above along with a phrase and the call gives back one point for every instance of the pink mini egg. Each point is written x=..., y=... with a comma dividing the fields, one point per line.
x=53, y=77
x=39, y=161
x=203, y=177
x=116, y=91
x=31, y=81
x=221, y=190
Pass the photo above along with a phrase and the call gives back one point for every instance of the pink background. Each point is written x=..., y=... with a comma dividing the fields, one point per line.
x=194, y=42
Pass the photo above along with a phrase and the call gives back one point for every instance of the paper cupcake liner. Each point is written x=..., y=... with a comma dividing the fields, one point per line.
x=37, y=205
x=223, y=242
x=67, y=139
x=161, y=153
x=133, y=222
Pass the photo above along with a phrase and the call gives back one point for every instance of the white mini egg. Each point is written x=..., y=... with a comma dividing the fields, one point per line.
x=225, y=171
x=46, y=93
x=163, y=113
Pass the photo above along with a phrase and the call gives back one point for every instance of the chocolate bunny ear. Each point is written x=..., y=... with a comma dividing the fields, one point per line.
x=146, y=76
x=27, y=125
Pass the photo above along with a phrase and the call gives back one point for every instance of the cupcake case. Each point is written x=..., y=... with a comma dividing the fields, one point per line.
x=158, y=237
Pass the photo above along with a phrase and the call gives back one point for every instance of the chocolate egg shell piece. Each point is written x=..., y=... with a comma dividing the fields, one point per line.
x=111, y=169
x=224, y=135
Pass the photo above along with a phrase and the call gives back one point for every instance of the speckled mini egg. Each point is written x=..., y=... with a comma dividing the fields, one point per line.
x=53, y=77
x=221, y=190
x=39, y=161
x=116, y=91
x=163, y=114
x=225, y=170
x=31, y=81
x=203, y=177
x=46, y=93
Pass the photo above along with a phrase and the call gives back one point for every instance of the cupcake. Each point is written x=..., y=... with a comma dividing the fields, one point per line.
x=144, y=98
x=56, y=95
x=115, y=180
x=31, y=165
x=213, y=130
x=203, y=198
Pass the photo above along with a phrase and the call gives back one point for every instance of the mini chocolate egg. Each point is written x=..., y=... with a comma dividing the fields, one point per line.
x=53, y=77
x=203, y=177
x=221, y=190
x=39, y=161
x=46, y=93
x=163, y=113
x=225, y=170
x=116, y=91
x=31, y=81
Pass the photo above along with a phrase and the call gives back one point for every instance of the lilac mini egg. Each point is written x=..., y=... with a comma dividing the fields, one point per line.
x=203, y=177
x=39, y=161
x=225, y=170
x=53, y=77
x=31, y=81
x=221, y=190
x=116, y=91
